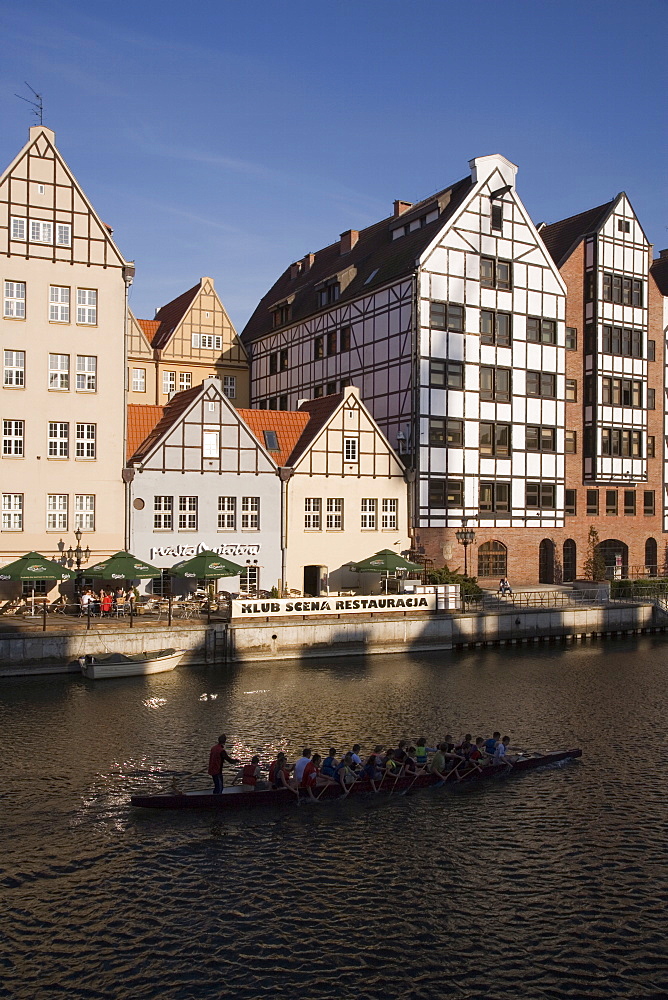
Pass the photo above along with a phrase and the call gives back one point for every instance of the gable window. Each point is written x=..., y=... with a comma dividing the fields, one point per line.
x=495, y=328
x=227, y=513
x=209, y=341
x=494, y=498
x=350, y=449
x=185, y=381
x=12, y=438
x=59, y=304
x=163, y=513
x=210, y=444
x=139, y=380
x=63, y=234
x=541, y=438
x=169, y=383
x=446, y=493
x=230, y=386
x=281, y=314
x=14, y=369
x=271, y=440
x=334, y=520
x=59, y=371
x=446, y=374
x=312, y=513
x=541, y=331
x=388, y=513
x=446, y=432
x=56, y=511
x=446, y=316
x=541, y=496
x=41, y=232
x=84, y=511
x=250, y=513
x=494, y=439
x=495, y=383
x=542, y=384
x=86, y=373
x=497, y=216
x=495, y=273
x=623, y=225
x=59, y=439
x=87, y=306
x=368, y=520
x=19, y=229
x=12, y=511
x=344, y=338
x=187, y=513
x=622, y=289
x=15, y=300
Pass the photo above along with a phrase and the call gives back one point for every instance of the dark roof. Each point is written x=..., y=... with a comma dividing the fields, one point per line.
x=561, y=238
x=288, y=425
x=319, y=412
x=375, y=253
x=659, y=271
x=169, y=316
x=170, y=414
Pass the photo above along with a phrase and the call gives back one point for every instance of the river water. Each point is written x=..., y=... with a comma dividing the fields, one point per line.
x=549, y=884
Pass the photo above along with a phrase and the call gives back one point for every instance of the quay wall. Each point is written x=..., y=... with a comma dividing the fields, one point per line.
x=218, y=643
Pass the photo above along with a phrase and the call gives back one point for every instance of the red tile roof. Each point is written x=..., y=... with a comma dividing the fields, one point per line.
x=168, y=416
x=288, y=425
x=142, y=418
x=150, y=327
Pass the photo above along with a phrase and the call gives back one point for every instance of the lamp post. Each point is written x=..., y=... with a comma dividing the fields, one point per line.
x=77, y=556
x=465, y=537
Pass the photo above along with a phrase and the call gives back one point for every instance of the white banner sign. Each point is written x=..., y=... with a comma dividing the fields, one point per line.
x=296, y=607
x=185, y=551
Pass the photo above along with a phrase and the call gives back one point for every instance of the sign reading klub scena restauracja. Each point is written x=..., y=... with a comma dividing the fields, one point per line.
x=297, y=607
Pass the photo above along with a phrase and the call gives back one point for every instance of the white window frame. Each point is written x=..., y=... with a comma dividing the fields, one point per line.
x=14, y=300
x=369, y=514
x=207, y=341
x=57, y=505
x=249, y=579
x=84, y=511
x=13, y=438
x=58, y=444
x=163, y=513
x=168, y=383
x=188, y=513
x=12, y=512
x=87, y=306
x=139, y=380
x=59, y=372
x=59, y=303
x=86, y=441
x=250, y=513
x=350, y=449
x=185, y=381
x=41, y=231
x=210, y=444
x=230, y=386
x=227, y=513
x=86, y=373
x=312, y=514
x=334, y=514
x=14, y=369
x=19, y=228
x=388, y=513
x=63, y=234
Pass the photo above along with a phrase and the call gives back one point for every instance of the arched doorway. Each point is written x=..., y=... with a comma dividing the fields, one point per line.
x=546, y=561
x=616, y=558
x=492, y=559
x=651, y=557
x=570, y=561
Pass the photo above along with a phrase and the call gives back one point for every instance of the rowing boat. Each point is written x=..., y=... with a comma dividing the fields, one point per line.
x=242, y=797
x=130, y=665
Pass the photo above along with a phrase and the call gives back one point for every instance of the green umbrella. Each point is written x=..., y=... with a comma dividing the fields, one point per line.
x=206, y=565
x=385, y=561
x=123, y=566
x=34, y=566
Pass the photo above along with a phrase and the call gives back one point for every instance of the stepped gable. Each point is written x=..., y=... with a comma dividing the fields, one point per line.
x=170, y=414
x=288, y=425
x=374, y=251
x=659, y=271
x=169, y=316
x=561, y=238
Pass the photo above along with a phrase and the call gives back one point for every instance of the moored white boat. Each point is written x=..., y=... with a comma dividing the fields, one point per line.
x=132, y=665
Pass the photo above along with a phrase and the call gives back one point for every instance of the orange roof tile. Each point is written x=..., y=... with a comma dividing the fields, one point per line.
x=150, y=327
x=142, y=419
x=288, y=425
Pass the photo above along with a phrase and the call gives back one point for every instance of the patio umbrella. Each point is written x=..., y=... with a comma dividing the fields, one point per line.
x=386, y=561
x=34, y=566
x=206, y=565
x=123, y=566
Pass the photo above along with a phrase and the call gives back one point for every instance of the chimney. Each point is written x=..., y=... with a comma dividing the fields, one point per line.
x=663, y=254
x=307, y=261
x=349, y=239
x=400, y=207
x=295, y=270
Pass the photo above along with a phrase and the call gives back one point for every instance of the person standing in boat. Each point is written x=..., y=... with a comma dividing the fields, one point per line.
x=217, y=757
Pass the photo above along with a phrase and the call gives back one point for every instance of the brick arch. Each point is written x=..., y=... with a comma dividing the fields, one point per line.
x=610, y=548
x=492, y=559
x=651, y=557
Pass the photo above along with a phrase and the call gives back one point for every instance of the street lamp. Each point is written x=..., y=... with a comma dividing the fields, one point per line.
x=465, y=537
x=78, y=556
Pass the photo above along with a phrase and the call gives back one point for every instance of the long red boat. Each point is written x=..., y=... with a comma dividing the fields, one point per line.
x=243, y=797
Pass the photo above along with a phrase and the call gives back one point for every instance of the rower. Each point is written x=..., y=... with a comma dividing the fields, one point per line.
x=330, y=765
x=310, y=775
x=251, y=775
x=301, y=764
x=355, y=755
x=500, y=754
x=279, y=774
x=490, y=744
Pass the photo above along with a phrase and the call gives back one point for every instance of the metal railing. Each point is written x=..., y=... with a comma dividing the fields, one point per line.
x=533, y=599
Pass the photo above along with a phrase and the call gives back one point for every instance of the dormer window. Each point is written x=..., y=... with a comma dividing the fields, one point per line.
x=329, y=293
x=282, y=314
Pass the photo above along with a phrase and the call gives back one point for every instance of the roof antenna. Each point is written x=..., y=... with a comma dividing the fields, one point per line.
x=36, y=104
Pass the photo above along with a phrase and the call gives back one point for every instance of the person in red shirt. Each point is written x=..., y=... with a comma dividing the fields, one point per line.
x=217, y=757
x=310, y=775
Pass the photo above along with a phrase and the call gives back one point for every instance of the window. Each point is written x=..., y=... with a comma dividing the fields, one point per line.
x=283, y=360
x=56, y=512
x=59, y=439
x=651, y=446
x=227, y=513
x=281, y=314
x=329, y=293
x=210, y=444
x=542, y=384
x=85, y=443
x=331, y=388
x=611, y=503
x=621, y=392
x=648, y=502
x=618, y=441
x=494, y=498
x=15, y=300
x=250, y=513
x=541, y=496
x=41, y=232
x=209, y=341
x=14, y=369
x=495, y=328
x=86, y=373
x=446, y=493
x=497, y=216
x=63, y=234
x=350, y=449
x=494, y=439
x=318, y=349
x=262, y=404
x=249, y=579
x=87, y=306
x=187, y=513
x=571, y=338
x=651, y=399
x=271, y=440
x=570, y=442
x=623, y=225
x=163, y=513
x=368, y=514
x=570, y=503
x=344, y=338
x=541, y=331
x=12, y=511
x=162, y=585
x=495, y=383
x=18, y=229
x=651, y=350
x=446, y=432
x=541, y=438
x=312, y=513
x=571, y=390
x=273, y=363
x=12, y=438
x=622, y=341
x=495, y=273
x=139, y=380
x=59, y=371
x=84, y=511
x=446, y=374
x=331, y=343
x=492, y=559
x=592, y=503
x=622, y=289
x=169, y=383
x=59, y=304
x=629, y=503
x=318, y=392
x=230, y=386
x=334, y=520
x=185, y=381
x=388, y=513
x=445, y=316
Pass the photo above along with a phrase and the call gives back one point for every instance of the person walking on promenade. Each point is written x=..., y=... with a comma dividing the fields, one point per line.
x=217, y=757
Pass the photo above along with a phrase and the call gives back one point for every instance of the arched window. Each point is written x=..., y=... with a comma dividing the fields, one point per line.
x=651, y=567
x=492, y=559
x=616, y=558
x=570, y=560
x=546, y=561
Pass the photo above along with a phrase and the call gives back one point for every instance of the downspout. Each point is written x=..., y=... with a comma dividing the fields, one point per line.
x=128, y=278
x=285, y=474
x=412, y=474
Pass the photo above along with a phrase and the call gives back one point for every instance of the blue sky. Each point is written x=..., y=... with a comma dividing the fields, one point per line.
x=230, y=139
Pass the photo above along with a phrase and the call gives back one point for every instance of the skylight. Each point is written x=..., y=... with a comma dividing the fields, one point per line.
x=271, y=440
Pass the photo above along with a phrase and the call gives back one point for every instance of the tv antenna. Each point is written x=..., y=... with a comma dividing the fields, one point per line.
x=36, y=104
